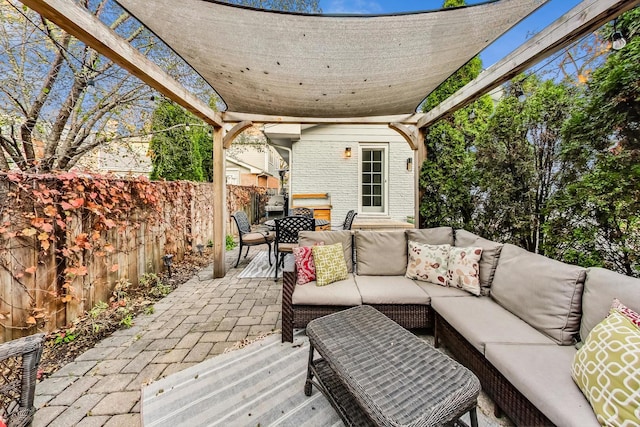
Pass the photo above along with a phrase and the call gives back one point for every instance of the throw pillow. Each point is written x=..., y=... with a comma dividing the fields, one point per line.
x=625, y=311
x=330, y=264
x=463, y=269
x=606, y=369
x=428, y=263
x=304, y=264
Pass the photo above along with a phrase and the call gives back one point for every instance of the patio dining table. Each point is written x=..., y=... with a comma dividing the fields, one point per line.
x=271, y=224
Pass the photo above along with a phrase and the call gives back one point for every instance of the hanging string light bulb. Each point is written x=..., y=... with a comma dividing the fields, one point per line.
x=617, y=39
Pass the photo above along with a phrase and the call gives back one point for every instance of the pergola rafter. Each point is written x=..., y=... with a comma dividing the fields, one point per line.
x=77, y=21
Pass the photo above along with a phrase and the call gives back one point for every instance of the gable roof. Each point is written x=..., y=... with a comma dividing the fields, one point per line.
x=331, y=66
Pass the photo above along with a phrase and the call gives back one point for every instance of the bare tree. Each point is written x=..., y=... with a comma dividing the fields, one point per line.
x=60, y=99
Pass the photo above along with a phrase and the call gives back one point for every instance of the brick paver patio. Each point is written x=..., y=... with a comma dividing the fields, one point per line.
x=197, y=321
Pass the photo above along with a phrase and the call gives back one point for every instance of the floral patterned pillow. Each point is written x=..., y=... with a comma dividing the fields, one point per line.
x=304, y=264
x=428, y=263
x=463, y=269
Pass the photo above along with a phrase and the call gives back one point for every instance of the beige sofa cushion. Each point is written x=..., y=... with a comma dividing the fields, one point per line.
x=381, y=253
x=480, y=320
x=543, y=292
x=431, y=236
x=342, y=293
x=489, y=259
x=309, y=238
x=434, y=290
x=390, y=290
x=542, y=373
x=600, y=288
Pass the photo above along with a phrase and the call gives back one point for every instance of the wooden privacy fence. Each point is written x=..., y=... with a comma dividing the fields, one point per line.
x=66, y=240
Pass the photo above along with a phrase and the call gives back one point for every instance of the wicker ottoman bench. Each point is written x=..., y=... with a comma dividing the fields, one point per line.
x=374, y=372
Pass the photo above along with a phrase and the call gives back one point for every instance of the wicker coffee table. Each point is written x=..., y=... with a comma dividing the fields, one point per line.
x=374, y=372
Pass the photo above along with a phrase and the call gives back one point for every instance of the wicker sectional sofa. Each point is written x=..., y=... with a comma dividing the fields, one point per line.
x=518, y=337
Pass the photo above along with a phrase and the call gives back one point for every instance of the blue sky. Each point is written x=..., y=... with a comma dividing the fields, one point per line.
x=548, y=13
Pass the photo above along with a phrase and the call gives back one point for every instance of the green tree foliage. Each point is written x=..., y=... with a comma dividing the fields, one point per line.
x=447, y=177
x=180, y=145
x=518, y=160
x=597, y=211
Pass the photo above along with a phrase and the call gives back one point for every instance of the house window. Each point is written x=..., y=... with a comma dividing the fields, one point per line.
x=373, y=182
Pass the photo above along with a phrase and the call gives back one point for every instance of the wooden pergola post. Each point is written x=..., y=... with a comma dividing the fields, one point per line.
x=219, y=203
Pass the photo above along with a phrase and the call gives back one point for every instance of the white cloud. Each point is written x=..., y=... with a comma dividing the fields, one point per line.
x=354, y=7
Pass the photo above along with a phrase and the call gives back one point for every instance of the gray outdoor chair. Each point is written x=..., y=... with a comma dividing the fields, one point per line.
x=287, y=230
x=250, y=238
x=19, y=360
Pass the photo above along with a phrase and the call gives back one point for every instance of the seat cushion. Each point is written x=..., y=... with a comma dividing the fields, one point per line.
x=545, y=293
x=254, y=238
x=600, y=288
x=431, y=236
x=441, y=291
x=542, y=373
x=381, y=253
x=489, y=259
x=390, y=290
x=480, y=321
x=342, y=293
x=309, y=238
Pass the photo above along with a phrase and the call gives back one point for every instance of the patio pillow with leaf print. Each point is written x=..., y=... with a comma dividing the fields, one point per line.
x=463, y=269
x=428, y=263
x=330, y=264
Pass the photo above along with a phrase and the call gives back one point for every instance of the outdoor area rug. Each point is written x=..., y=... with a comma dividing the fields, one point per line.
x=259, y=266
x=261, y=384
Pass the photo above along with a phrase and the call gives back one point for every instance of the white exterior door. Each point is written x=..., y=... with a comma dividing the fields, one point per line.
x=373, y=178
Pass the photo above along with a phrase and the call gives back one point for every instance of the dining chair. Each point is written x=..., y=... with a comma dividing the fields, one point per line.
x=287, y=230
x=250, y=238
x=348, y=220
x=308, y=212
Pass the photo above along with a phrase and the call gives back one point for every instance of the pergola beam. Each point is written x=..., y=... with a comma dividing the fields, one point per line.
x=234, y=132
x=407, y=119
x=410, y=134
x=586, y=17
x=81, y=24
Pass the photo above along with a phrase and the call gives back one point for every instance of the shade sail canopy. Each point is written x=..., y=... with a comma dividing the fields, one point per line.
x=275, y=63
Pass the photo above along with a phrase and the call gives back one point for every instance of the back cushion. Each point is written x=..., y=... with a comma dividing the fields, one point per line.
x=543, y=292
x=309, y=238
x=381, y=253
x=489, y=259
x=431, y=236
x=600, y=288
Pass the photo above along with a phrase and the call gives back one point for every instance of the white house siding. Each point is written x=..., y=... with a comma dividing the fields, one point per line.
x=318, y=165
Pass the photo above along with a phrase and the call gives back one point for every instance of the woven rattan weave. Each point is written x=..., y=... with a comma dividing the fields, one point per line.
x=374, y=372
x=19, y=360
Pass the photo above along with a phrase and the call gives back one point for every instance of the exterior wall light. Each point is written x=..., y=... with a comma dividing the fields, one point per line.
x=347, y=152
x=409, y=164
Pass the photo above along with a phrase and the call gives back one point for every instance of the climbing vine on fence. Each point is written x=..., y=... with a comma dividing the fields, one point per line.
x=68, y=217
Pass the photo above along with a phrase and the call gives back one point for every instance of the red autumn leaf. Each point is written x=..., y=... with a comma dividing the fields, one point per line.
x=66, y=206
x=67, y=298
x=31, y=269
x=77, y=202
x=61, y=224
x=31, y=320
x=109, y=223
x=47, y=227
x=80, y=187
x=93, y=195
x=114, y=268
